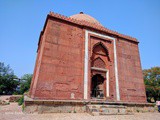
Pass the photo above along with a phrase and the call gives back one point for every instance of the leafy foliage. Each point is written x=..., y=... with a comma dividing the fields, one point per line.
x=25, y=85
x=7, y=84
x=152, y=82
x=21, y=100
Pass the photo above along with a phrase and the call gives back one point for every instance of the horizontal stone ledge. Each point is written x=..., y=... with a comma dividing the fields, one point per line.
x=129, y=104
x=29, y=100
x=48, y=103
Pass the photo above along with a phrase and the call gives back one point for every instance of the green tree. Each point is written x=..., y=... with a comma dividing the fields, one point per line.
x=152, y=83
x=25, y=83
x=7, y=84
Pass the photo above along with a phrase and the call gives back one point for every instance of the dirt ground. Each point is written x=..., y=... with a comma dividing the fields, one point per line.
x=14, y=112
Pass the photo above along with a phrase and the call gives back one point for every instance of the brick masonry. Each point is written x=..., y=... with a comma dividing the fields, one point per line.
x=59, y=68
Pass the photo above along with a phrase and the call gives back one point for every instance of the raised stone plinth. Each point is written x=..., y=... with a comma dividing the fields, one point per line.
x=80, y=106
x=118, y=108
x=53, y=106
x=107, y=110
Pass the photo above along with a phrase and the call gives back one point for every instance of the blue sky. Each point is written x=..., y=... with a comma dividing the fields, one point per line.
x=22, y=20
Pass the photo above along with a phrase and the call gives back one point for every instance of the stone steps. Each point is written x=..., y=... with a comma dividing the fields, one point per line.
x=96, y=109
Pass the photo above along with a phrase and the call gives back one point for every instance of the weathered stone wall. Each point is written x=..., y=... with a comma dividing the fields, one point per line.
x=54, y=107
x=14, y=98
x=61, y=71
x=131, y=82
x=37, y=64
x=80, y=106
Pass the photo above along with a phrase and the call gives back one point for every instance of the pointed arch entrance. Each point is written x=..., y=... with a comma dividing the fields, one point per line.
x=99, y=83
x=99, y=73
x=97, y=86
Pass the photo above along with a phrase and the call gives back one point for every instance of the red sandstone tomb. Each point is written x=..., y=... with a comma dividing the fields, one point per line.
x=79, y=59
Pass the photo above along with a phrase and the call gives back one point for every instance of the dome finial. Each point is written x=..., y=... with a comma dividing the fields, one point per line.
x=81, y=13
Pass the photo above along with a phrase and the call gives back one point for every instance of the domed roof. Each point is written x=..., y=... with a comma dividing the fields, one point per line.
x=84, y=17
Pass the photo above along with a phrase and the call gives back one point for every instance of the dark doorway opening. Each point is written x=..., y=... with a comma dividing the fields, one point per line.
x=97, y=86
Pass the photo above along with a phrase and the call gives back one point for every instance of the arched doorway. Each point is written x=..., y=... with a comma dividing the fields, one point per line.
x=99, y=72
x=97, y=86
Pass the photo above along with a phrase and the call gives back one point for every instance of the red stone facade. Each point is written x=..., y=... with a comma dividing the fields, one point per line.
x=59, y=70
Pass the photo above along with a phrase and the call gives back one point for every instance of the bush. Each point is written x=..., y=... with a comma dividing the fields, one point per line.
x=21, y=100
x=22, y=107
